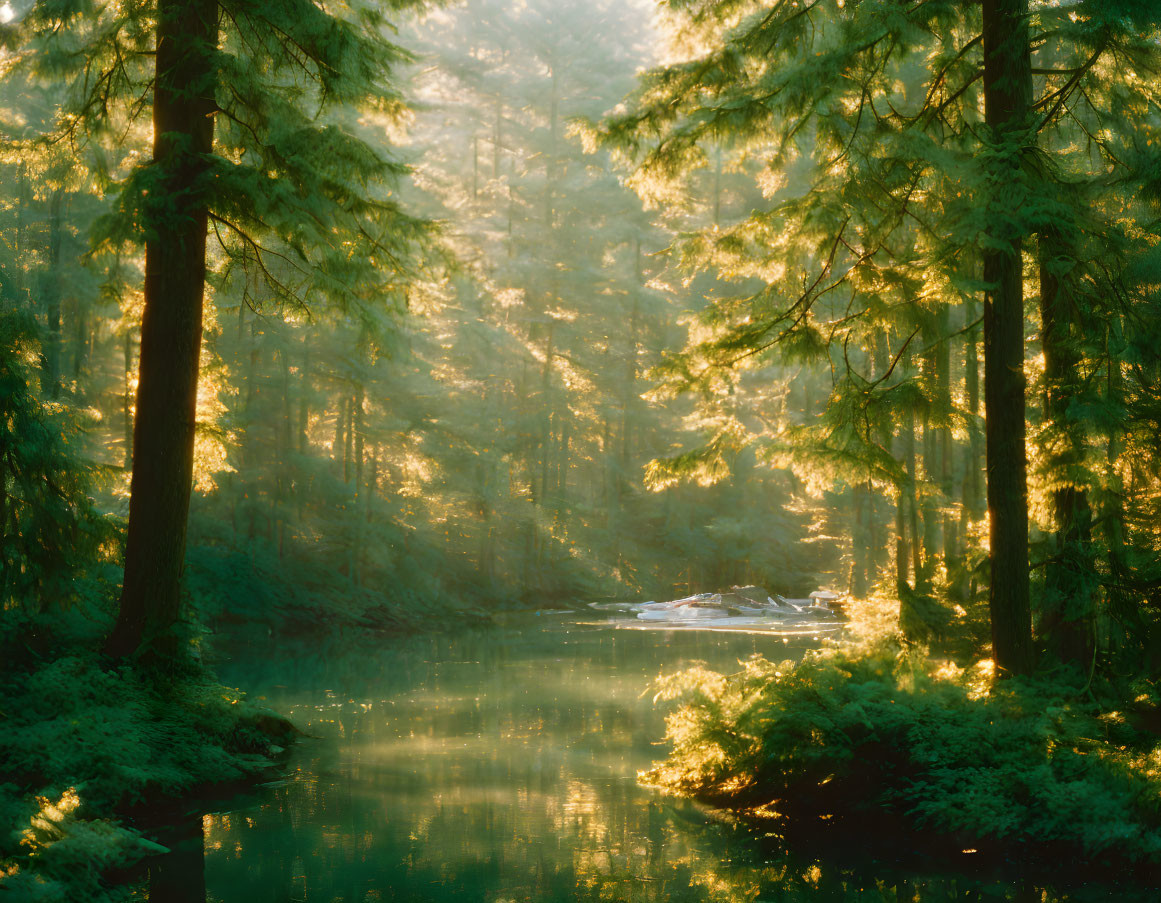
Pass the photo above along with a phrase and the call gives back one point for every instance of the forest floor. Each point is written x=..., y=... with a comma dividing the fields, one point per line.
x=90, y=748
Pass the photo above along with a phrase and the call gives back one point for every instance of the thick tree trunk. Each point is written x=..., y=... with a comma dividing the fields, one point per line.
x=1007, y=99
x=171, y=331
x=1123, y=608
x=1069, y=620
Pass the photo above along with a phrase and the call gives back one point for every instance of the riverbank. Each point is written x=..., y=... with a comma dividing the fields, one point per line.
x=88, y=748
x=503, y=764
x=870, y=738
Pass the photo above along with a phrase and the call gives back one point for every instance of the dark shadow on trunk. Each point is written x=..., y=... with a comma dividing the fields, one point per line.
x=171, y=331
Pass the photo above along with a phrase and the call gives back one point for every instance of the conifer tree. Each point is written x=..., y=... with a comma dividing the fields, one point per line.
x=889, y=202
x=1007, y=82
x=255, y=143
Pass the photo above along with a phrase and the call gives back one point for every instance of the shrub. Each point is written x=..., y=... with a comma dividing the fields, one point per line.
x=872, y=731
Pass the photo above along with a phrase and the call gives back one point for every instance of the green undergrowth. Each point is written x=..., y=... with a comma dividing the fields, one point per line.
x=86, y=747
x=304, y=591
x=869, y=732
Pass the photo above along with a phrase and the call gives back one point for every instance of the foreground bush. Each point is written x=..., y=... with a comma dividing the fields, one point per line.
x=82, y=744
x=872, y=732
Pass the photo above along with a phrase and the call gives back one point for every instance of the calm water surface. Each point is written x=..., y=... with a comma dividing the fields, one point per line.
x=501, y=767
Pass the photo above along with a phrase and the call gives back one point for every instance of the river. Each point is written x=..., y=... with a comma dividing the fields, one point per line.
x=501, y=766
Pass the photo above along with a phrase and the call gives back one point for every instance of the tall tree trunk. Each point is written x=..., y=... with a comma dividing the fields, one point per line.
x=563, y=453
x=972, y=504
x=973, y=491
x=1069, y=620
x=340, y=441
x=1007, y=99
x=252, y=483
x=127, y=402
x=302, y=440
x=550, y=157
x=901, y=552
x=171, y=331
x=357, y=429
x=861, y=540
x=881, y=357
x=284, y=472
x=349, y=444
x=917, y=564
x=931, y=516
x=18, y=285
x=548, y=428
x=902, y=548
x=1123, y=608
x=181, y=873
x=50, y=380
x=82, y=343
x=950, y=549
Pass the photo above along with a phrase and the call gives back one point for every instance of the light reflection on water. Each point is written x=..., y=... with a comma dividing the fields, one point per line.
x=501, y=768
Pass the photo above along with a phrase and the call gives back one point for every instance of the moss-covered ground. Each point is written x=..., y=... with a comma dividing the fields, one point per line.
x=87, y=747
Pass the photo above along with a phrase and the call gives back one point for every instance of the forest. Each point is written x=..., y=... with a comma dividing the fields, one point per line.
x=613, y=450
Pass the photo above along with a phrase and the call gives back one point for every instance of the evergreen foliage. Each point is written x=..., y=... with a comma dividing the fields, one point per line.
x=878, y=193
x=49, y=526
x=868, y=735
x=83, y=746
x=436, y=322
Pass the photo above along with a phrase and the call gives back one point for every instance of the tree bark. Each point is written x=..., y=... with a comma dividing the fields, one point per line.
x=950, y=549
x=901, y=551
x=82, y=343
x=50, y=381
x=973, y=492
x=861, y=540
x=1007, y=102
x=1068, y=623
x=171, y=331
x=127, y=404
x=929, y=517
x=922, y=583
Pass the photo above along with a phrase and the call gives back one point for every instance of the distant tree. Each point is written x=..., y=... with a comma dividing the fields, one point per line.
x=564, y=306
x=49, y=526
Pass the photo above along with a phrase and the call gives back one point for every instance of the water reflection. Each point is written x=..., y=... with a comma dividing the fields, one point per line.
x=179, y=876
x=502, y=769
